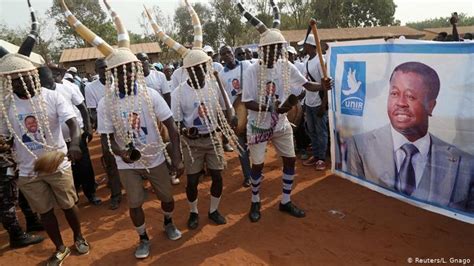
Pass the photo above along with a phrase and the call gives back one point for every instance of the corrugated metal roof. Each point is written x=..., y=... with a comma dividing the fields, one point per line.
x=342, y=34
x=90, y=53
x=449, y=30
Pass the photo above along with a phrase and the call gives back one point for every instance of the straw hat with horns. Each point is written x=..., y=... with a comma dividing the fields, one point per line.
x=196, y=55
x=267, y=36
x=114, y=57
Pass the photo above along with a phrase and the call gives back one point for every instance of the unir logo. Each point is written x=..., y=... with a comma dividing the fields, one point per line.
x=353, y=88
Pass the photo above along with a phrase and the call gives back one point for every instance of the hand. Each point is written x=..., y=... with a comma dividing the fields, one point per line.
x=328, y=83
x=177, y=168
x=5, y=146
x=281, y=110
x=234, y=122
x=125, y=156
x=90, y=135
x=454, y=18
x=74, y=153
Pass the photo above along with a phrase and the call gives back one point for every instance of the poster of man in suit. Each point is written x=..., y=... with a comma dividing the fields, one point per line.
x=392, y=135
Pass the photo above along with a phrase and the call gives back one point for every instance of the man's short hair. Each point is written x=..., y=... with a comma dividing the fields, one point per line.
x=428, y=74
x=100, y=62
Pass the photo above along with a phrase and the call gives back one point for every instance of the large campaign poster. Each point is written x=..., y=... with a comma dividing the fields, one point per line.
x=402, y=120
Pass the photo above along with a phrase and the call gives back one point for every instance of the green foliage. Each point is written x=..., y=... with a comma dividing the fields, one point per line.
x=90, y=14
x=464, y=20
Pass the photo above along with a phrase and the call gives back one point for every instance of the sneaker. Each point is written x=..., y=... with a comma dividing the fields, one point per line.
x=24, y=239
x=82, y=246
x=254, y=214
x=193, y=220
x=174, y=180
x=290, y=208
x=143, y=249
x=217, y=218
x=172, y=232
x=320, y=165
x=228, y=148
x=310, y=162
x=246, y=182
x=58, y=257
x=304, y=156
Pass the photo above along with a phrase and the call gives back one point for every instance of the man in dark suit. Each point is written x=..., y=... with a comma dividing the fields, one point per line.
x=403, y=156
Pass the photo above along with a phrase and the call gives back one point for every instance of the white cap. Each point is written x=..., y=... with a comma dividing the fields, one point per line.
x=310, y=40
x=291, y=49
x=72, y=69
x=68, y=75
x=208, y=49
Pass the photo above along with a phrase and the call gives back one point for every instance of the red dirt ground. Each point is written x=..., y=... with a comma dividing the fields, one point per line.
x=372, y=230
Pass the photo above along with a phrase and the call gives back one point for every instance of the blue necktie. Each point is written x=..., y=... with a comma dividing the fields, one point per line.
x=407, y=172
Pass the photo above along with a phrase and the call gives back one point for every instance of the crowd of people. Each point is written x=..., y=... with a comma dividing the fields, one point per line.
x=156, y=122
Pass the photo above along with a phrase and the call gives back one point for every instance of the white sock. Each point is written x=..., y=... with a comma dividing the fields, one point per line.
x=214, y=204
x=141, y=230
x=193, y=206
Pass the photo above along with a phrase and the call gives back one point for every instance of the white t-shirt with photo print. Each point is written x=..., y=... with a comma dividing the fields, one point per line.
x=232, y=79
x=144, y=130
x=25, y=124
x=188, y=108
x=157, y=81
x=274, y=91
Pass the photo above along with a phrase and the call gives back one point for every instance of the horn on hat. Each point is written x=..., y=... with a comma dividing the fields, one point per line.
x=28, y=44
x=3, y=51
x=276, y=15
x=165, y=38
x=196, y=25
x=123, y=38
x=252, y=19
x=86, y=33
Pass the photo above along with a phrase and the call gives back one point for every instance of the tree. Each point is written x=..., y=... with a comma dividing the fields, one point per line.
x=367, y=13
x=464, y=20
x=296, y=14
x=90, y=14
x=228, y=20
x=184, y=27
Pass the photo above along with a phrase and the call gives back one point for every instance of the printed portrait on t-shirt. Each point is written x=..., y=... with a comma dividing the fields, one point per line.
x=270, y=89
x=32, y=134
x=235, y=87
x=201, y=116
x=139, y=131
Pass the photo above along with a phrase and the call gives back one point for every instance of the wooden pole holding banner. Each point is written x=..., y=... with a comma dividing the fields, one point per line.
x=314, y=29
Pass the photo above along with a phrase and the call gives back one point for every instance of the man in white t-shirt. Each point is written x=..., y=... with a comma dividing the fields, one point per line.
x=94, y=92
x=168, y=71
x=315, y=109
x=129, y=124
x=42, y=186
x=82, y=170
x=155, y=79
x=232, y=77
x=302, y=140
x=263, y=95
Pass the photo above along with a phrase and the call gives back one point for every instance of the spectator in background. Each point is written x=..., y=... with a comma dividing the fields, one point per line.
x=239, y=53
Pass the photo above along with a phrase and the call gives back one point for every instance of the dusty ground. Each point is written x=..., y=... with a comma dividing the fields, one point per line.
x=372, y=229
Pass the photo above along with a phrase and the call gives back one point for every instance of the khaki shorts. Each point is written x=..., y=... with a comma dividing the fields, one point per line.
x=159, y=177
x=202, y=151
x=282, y=141
x=44, y=191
